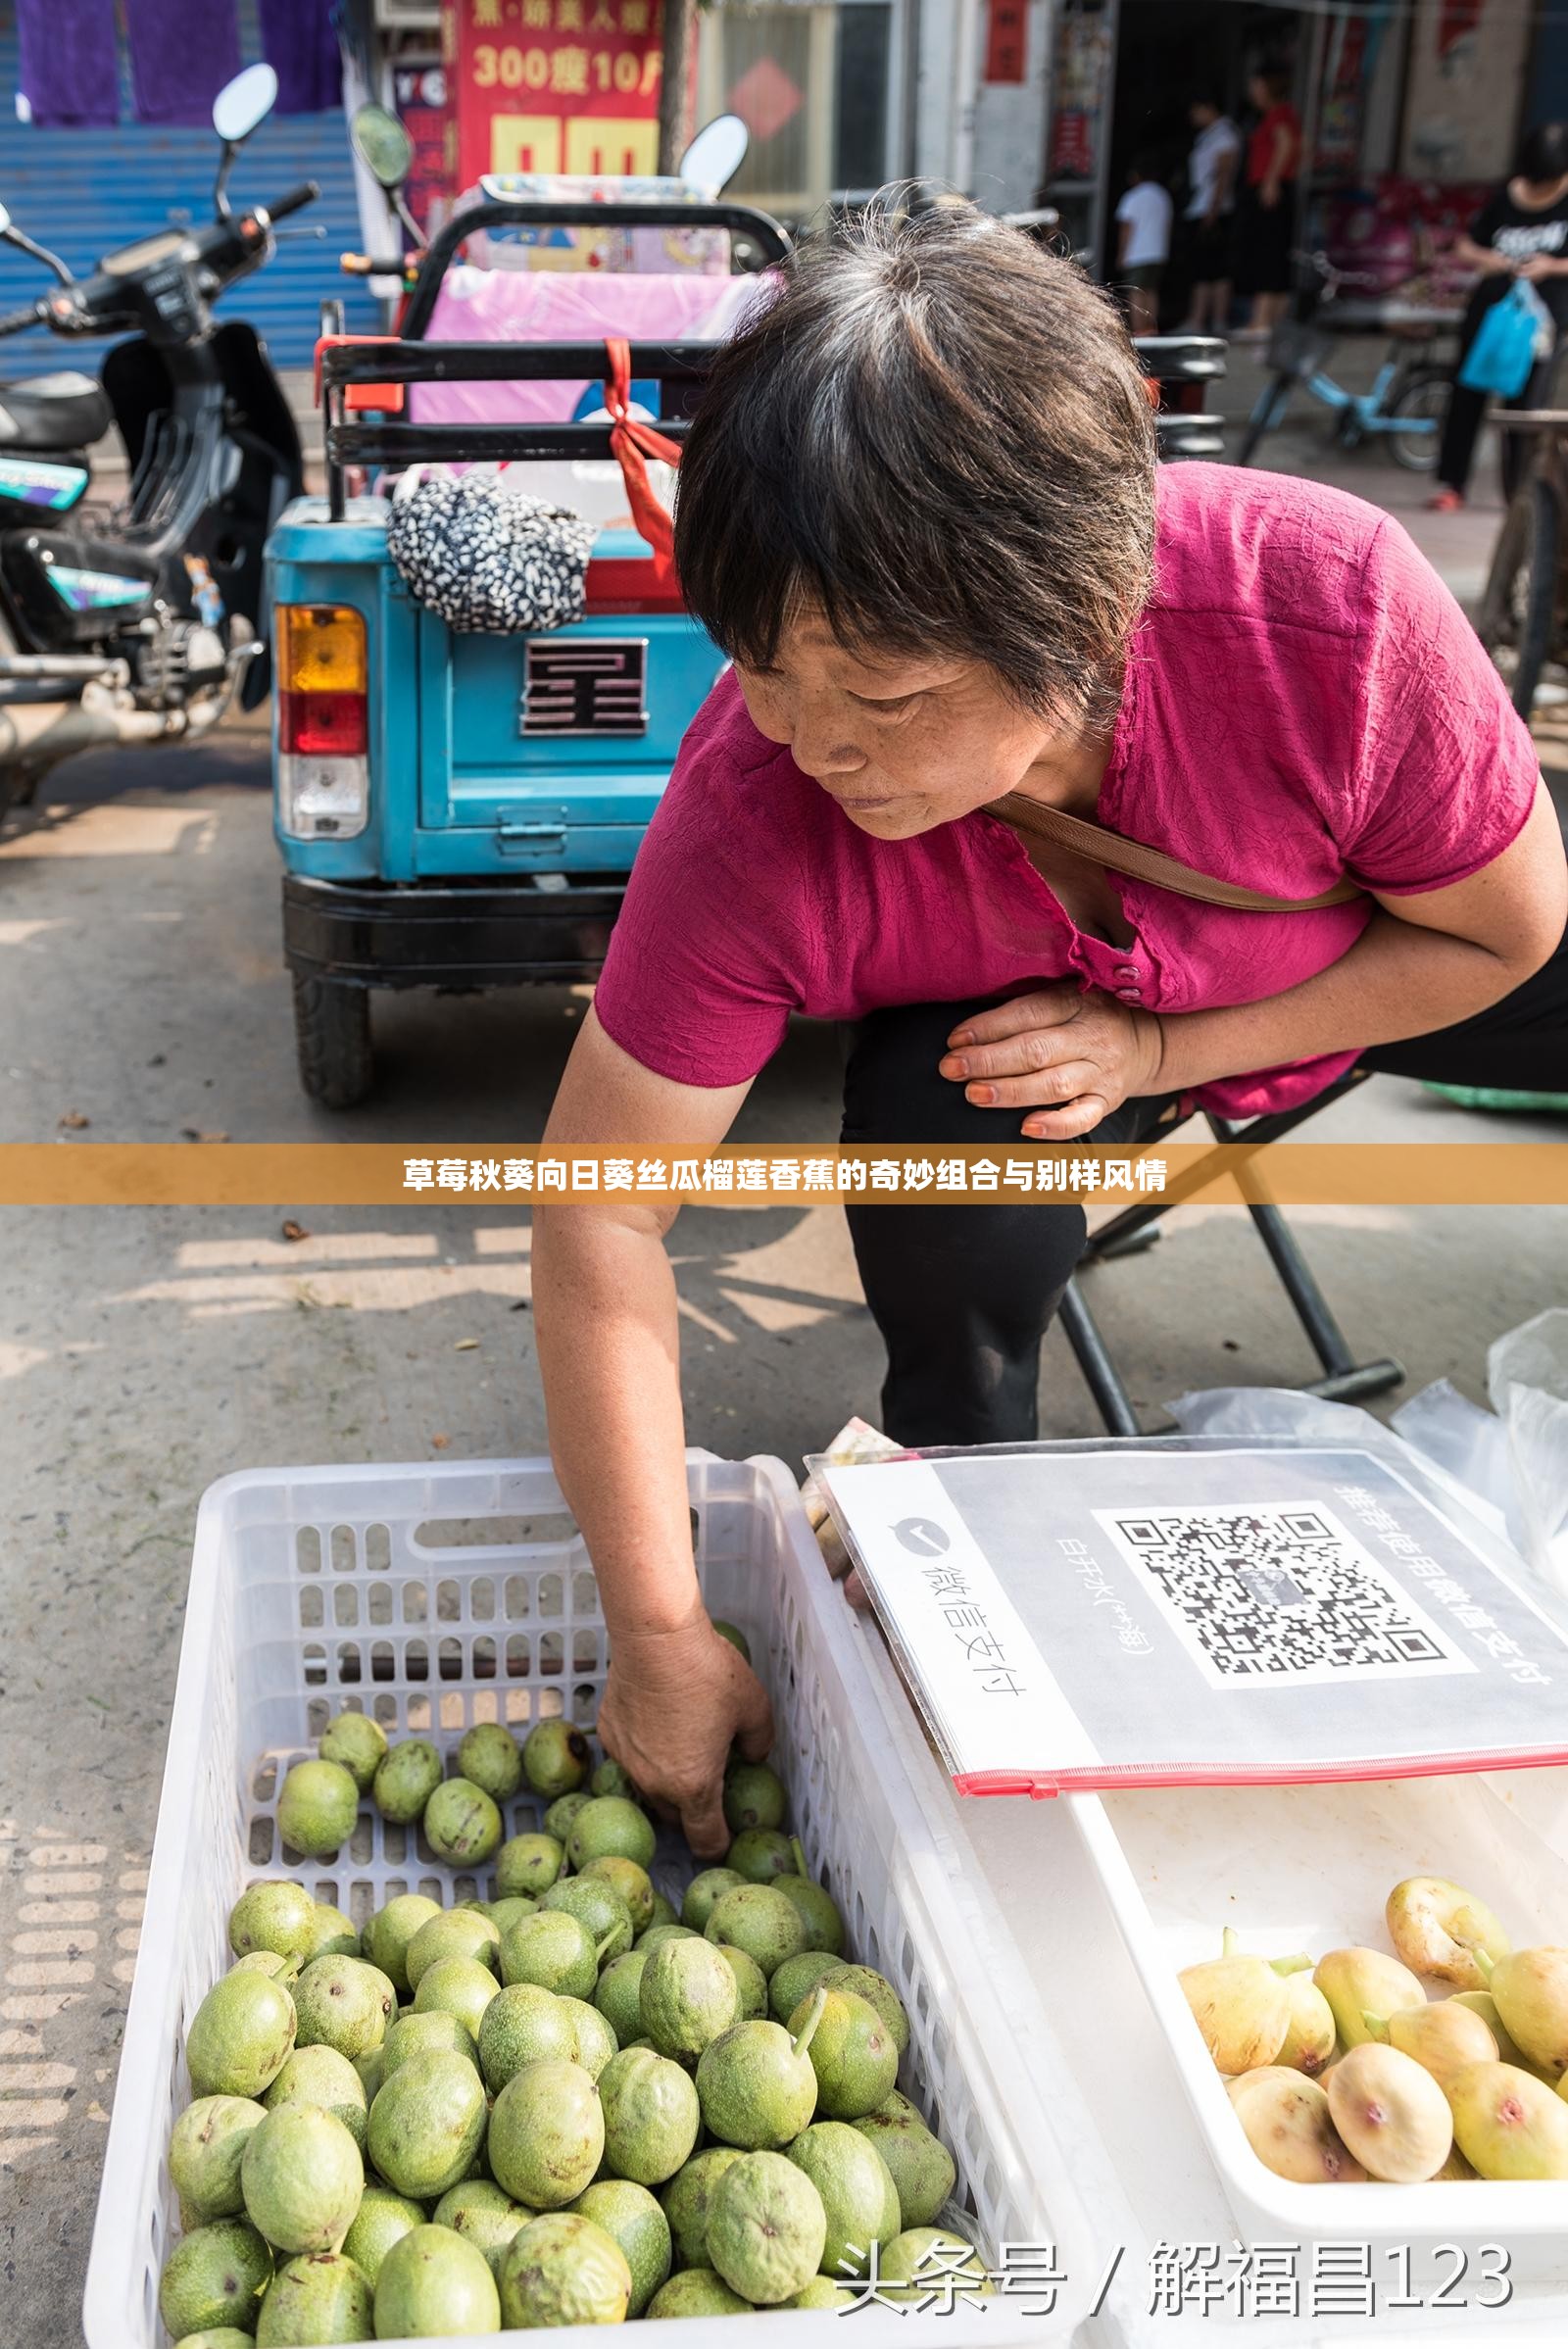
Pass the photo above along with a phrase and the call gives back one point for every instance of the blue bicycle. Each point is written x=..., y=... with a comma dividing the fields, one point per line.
x=1409, y=395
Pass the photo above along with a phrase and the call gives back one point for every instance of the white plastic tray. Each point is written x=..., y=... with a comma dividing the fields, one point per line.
x=437, y=1596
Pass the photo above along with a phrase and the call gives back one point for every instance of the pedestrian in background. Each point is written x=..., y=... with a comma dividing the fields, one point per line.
x=1265, y=215
x=1521, y=231
x=1210, y=221
x=1144, y=216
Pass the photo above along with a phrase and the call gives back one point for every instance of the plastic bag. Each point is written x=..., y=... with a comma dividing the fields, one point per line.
x=1527, y=1378
x=1503, y=352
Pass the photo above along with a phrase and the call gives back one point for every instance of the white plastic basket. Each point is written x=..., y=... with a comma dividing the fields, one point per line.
x=437, y=1596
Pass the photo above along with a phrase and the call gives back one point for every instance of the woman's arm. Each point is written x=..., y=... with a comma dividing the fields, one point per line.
x=605, y=1312
x=1421, y=964
x=1485, y=258
x=1224, y=174
x=1278, y=158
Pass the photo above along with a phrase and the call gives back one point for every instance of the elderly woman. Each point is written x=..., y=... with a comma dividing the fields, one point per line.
x=921, y=512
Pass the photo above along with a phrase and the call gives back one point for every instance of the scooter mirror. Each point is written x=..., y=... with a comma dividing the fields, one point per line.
x=5, y=220
x=715, y=154
x=244, y=103
x=382, y=144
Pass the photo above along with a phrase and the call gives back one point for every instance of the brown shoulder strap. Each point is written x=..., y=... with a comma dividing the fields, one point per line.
x=1080, y=838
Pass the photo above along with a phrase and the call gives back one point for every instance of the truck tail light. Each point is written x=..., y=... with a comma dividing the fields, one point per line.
x=323, y=774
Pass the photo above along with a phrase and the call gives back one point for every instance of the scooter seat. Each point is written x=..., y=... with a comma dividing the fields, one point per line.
x=65, y=411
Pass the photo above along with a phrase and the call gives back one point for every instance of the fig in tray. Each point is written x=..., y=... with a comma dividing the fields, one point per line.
x=459, y=2118
x=1348, y=2070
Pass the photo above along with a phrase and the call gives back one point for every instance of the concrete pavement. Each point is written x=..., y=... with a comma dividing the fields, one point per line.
x=143, y=1352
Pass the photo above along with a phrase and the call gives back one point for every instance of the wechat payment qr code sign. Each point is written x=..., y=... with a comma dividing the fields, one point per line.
x=1277, y=1590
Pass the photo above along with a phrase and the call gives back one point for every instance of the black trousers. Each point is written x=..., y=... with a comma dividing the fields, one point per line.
x=963, y=1295
x=1461, y=424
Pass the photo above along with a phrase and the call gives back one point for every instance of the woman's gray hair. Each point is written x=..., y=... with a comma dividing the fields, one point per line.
x=938, y=435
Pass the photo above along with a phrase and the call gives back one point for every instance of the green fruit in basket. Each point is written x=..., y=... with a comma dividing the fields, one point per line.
x=696, y=2292
x=547, y=2134
x=610, y=1825
x=759, y=1853
x=318, y=1808
x=381, y=2220
x=204, y=2154
x=1286, y=2120
x=798, y=1974
x=705, y=1889
x=1444, y=2038
x=921, y=2261
x=1442, y=1931
x=556, y=1759
x=1242, y=2007
x=618, y=1994
x=651, y=2116
x=457, y=1985
x=344, y=2003
x=654, y=1937
x=1508, y=2124
x=564, y=2270
x=323, y=2296
x=876, y=1989
x=816, y=1909
x=452, y=1932
x=303, y=2176
x=1310, y=2032
x=426, y=2124
x=406, y=1781
x=356, y=1743
x=598, y=1909
x=920, y=2164
x=434, y=2286
x=751, y=1983
x=333, y=1934
x=761, y=1920
x=430, y=2031
x=630, y=1881
x=267, y=1961
x=462, y=1825
x=241, y=2037
x=611, y=1779
x=859, y=2197
x=322, y=2077
x=688, y=1995
x=561, y=1814
x=522, y=2024
x=755, y=2084
x=489, y=1757
x=484, y=2214
x=1482, y=2003
x=593, y=2041
x=766, y=2229
x=553, y=1949
x=665, y=1911
x=505, y=1914
x=217, y=2337
x=211, y=2278
x=821, y=2292
x=1357, y=1982
x=389, y=1934
x=735, y=1636
x=1390, y=2113
x=631, y=2217
x=685, y=2200
x=528, y=1865
x=371, y=2070
x=1531, y=1990
x=851, y=2053
x=754, y=1796
x=279, y=1918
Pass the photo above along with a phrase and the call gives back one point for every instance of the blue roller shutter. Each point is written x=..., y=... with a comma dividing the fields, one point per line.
x=82, y=192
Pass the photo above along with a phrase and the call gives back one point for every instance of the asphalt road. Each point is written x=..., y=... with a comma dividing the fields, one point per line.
x=144, y=1352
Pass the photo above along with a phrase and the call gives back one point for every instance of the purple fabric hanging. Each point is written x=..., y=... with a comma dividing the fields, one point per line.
x=68, y=68
x=181, y=54
x=300, y=45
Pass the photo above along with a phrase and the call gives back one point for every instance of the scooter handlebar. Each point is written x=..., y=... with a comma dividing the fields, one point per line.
x=295, y=201
x=29, y=315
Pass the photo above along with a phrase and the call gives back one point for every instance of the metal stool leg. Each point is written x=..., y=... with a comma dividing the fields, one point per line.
x=1101, y=1374
x=1345, y=1379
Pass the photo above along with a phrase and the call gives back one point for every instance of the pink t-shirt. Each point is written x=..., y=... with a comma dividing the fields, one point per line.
x=1305, y=698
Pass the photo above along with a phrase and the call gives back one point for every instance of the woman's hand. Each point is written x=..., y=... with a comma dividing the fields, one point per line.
x=1540, y=265
x=1268, y=193
x=673, y=1703
x=1069, y=1058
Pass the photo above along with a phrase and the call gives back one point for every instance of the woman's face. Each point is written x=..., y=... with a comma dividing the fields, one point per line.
x=901, y=743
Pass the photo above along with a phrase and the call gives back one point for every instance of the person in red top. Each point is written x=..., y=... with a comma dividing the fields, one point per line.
x=1265, y=211
x=920, y=511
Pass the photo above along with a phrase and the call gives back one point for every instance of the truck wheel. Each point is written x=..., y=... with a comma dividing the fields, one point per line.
x=333, y=1035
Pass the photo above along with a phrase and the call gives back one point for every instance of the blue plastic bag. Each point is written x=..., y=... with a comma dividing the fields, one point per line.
x=1503, y=352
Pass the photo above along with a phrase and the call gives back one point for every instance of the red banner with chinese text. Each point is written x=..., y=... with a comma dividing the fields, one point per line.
x=555, y=85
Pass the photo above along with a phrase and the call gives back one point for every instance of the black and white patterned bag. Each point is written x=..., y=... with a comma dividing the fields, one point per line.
x=487, y=559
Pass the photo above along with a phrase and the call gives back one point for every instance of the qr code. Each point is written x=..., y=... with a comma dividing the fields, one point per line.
x=1279, y=1593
